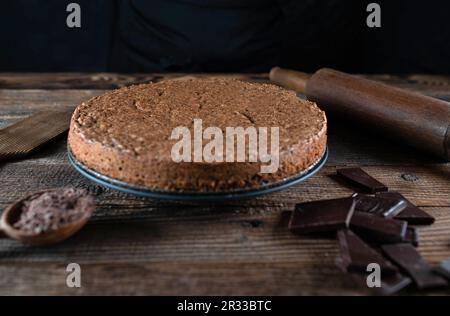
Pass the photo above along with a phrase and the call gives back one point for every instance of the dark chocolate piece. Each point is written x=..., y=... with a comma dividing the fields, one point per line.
x=356, y=255
x=377, y=229
x=444, y=269
x=390, y=283
x=362, y=179
x=412, y=236
x=322, y=216
x=412, y=214
x=407, y=257
x=378, y=205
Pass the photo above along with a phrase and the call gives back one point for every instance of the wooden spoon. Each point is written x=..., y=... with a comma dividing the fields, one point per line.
x=12, y=213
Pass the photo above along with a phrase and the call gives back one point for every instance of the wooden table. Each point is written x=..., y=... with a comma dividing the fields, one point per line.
x=138, y=246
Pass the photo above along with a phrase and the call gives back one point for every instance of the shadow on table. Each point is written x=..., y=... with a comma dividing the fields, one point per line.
x=353, y=144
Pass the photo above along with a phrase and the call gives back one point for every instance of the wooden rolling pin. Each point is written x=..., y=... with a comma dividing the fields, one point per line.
x=415, y=119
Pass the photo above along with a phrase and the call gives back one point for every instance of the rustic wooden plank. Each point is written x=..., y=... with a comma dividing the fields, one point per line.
x=223, y=234
x=16, y=102
x=177, y=279
x=25, y=102
x=437, y=86
x=52, y=81
x=175, y=261
x=254, y=279
x=177, y=255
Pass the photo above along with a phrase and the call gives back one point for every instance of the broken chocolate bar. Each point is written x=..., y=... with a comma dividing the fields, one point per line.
x=321, y=216
x=378, y=205
x=356, y=255
x=412, y=236
x=444, y=269
x=390, y=283
x=412, y=214
x=377, y=229
x=362, y=179
x=407, y=257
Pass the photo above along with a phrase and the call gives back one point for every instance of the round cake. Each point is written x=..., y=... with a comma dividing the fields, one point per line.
x=131, y=134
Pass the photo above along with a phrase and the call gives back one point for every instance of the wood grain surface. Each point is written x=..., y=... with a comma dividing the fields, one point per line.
x=139, y=247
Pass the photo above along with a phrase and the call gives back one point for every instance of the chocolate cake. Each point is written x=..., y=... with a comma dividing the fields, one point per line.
x=126, y=134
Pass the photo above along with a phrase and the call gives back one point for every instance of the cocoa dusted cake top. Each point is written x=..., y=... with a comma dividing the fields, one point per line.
x=140, y=119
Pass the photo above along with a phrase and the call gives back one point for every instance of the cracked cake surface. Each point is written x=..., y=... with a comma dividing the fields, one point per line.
x=125, y=134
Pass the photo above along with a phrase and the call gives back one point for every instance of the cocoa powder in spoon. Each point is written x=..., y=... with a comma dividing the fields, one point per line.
x=50, y=210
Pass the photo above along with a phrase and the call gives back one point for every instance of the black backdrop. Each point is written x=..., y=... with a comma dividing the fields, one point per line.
x=224, y=35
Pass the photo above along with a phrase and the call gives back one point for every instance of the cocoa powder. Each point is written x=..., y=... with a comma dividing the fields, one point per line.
x=53, y=209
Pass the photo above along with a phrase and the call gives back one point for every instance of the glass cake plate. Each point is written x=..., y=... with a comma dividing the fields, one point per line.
x=243, y=193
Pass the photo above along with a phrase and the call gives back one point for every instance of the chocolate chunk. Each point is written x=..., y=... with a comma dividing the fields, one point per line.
x=390, y=283
x=412, y=214
x=322, y=216
x=444, y=269
x=377, y=229
x=412, y=236
x=407, y=257
x=362, y=179
x=378, y=205
x=356, y=255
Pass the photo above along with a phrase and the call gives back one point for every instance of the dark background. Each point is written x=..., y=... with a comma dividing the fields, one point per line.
x=225, y=35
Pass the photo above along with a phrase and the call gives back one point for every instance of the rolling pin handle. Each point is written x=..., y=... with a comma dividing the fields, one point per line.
x=411, y=118
x=290, y=79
